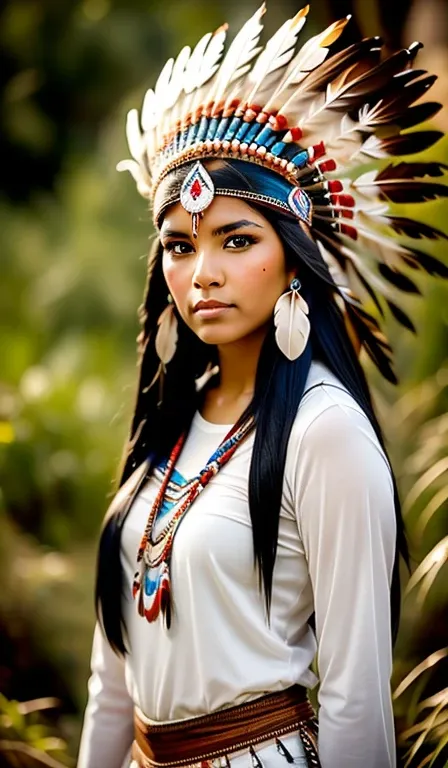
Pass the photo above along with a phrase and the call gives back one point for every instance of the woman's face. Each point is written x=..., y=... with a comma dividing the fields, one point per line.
x=237, y=260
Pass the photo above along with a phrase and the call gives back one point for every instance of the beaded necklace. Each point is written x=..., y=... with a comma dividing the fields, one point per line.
x=152, y=583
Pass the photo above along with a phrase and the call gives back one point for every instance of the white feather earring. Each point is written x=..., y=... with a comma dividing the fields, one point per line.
x=165, y=344
x=292, y=327
x=166, y=338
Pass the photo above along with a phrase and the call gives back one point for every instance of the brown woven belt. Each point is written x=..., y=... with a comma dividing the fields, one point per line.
x=228, y=730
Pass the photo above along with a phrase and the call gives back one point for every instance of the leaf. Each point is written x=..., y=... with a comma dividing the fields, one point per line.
x=50, y=744
x=35, y=705
x=423, y=483
x=25, y=749
x=429, y=662
x=431, y=564
x=431, y=508
x=439, y=748
x=435, y=700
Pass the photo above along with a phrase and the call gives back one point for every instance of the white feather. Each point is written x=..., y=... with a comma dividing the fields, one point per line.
x=149, y=110
x=194, y=64
x=172, y=101
x=277, y=53
x=206, y=73
x=236, y=62
x=137, y=172
x=134, y=135
x=166, y=338
x=310, y=56
x=372, y=148
x=292, y=327
x=365, y=184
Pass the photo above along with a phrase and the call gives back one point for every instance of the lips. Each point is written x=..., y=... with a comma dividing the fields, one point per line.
x=210, y=304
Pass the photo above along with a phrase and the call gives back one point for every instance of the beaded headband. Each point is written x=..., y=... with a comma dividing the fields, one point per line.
x=198, y=191
x=318, y=120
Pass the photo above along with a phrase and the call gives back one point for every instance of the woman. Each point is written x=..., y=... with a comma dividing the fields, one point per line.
x=258, y=521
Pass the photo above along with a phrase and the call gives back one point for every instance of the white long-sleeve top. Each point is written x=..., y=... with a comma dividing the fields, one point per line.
x=336, y=545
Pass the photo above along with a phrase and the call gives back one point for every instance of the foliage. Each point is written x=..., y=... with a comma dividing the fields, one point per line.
x=421, y=700
x=25, y=740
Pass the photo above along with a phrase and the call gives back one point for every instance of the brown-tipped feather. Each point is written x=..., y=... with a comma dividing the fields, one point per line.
x=334, y=248
x=401, y=316
x=367, y=50
x=428, y=263
x=410, y=190
x=405, y=170
x=394, y=100
x=353, y=95
x=398, y=279
x=415, y=229
x=373, y=341
x=411, y=142
x=418, y=114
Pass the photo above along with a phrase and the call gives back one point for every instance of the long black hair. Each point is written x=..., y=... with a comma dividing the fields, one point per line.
x=279, y=387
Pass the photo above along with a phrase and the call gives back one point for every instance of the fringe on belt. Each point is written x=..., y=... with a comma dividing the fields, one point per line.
x=204, y=739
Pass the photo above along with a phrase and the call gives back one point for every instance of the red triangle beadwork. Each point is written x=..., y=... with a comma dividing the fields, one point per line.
x=196, y=189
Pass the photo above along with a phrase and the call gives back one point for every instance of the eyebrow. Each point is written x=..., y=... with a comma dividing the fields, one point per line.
x=216, y=232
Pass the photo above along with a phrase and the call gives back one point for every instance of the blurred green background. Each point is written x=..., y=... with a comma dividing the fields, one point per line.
x=74, y=239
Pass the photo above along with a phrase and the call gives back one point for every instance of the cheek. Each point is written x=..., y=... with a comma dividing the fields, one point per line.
x=265, y=275
x=176, y=279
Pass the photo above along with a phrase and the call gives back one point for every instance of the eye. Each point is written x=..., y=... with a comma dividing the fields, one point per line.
x=238, y=242
x=178, y=247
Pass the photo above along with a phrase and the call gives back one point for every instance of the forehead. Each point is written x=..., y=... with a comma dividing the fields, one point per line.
x=223, y=210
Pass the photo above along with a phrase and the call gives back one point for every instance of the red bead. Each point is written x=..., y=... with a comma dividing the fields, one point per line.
x=296, y=133
x=328, y=165
x=346, y=229
x=346, y=200
x=196, y=189
x=335, y=186
x=318, y=150
x=279, y=123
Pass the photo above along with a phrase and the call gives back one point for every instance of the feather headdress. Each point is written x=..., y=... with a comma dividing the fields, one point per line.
x=319, y=120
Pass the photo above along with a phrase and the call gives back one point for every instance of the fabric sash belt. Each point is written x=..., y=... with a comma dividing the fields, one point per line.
x=229, y=730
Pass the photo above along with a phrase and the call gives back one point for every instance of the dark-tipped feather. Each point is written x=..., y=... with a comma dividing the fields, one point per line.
x=415, y=229
x=412, y=170
x=401, y=316
x=410, y=190
x=396, y=99
x=411, y=143
x=430, y=264
x=418, y=114
x=373, y=342
x=368, y=50
x=398, y=279
x=374, y=81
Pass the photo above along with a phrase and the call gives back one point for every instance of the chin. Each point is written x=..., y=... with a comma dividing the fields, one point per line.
x=212, y=334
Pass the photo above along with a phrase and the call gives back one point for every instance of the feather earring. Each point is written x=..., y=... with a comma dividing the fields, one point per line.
x=166, y=338
x=292, y=327
x=165, y=344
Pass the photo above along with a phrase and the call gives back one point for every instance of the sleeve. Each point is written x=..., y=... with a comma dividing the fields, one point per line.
x=107, y=732
x=345, y=508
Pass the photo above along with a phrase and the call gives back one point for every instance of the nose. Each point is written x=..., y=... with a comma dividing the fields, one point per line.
x=207, y=271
